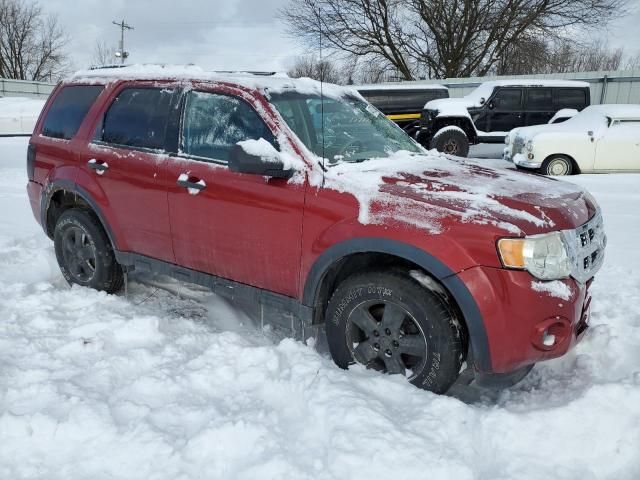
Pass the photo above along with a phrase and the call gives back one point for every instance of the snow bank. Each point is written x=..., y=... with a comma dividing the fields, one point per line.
x=18, y=116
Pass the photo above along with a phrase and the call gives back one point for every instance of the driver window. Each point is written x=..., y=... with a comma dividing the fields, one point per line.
x=214, y=123
x=508, y=99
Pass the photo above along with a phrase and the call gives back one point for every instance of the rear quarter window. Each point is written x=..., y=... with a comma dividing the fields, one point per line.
x=68, y=110
x=571, y=98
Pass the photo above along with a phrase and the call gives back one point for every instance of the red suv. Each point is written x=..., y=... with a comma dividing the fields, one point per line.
x=305, y=200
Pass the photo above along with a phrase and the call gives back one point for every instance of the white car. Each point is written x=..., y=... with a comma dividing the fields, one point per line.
x=601, y=138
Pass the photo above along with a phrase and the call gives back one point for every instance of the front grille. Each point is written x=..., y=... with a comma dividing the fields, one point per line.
x=518, y=145
x=586, y=248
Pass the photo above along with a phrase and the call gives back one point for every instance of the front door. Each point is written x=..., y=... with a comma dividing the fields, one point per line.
x=619, y=147
x=126, y=160
x=243, y=227
x=505, y=110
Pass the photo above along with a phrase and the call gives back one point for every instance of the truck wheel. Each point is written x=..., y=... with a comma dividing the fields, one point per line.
x=452, y=141
x=84, y=252
x=557, y=165
x=387, y=321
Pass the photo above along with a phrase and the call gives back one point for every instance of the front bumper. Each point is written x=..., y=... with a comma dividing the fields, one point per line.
x=518, y=320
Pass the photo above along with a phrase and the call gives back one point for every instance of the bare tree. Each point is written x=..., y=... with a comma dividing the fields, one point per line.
x=440, y=38
x=102, y=54
x=633, y=62
x=31, y=42
x=310, y=66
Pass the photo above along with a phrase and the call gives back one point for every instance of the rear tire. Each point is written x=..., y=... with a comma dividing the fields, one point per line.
x=452, y=141
x=557, y=165
x=84, y=252
x=387, y=321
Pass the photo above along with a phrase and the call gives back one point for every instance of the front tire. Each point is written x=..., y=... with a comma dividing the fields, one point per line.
x=452, y=141
x=84, y=252
x=387, y=321
x=557, y=165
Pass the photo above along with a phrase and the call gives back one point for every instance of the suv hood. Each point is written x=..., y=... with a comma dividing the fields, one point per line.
x=451, y=107
x=429, y=191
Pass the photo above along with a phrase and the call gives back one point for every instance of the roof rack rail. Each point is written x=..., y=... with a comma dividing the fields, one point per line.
x=100, y=67
x=251, y=72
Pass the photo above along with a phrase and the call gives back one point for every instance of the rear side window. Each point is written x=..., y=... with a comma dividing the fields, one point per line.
x=540, y=99
x=571, y=98
x=137, y=118
x=214, y=123
x=69, y=109
x=508, y=99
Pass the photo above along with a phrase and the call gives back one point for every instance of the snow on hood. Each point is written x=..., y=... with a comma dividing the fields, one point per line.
x=423, y=190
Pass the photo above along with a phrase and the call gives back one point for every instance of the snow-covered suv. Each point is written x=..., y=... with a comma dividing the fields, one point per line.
x=493, y=109
x=308, y=203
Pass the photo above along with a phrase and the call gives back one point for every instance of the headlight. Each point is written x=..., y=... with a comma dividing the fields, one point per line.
x=590, y=198
x=543, y=256
x=529, y=145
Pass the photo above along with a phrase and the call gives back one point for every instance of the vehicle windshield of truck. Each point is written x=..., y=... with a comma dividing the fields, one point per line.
x=353, y=130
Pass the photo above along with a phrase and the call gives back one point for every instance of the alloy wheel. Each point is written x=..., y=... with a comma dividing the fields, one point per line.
x=384, y=336
x=79, y=254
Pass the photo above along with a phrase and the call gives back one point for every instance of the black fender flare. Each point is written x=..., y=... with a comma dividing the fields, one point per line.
x=478, y=339
x=73, y=187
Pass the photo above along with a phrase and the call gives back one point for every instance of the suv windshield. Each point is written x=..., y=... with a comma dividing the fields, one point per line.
x=353, y=130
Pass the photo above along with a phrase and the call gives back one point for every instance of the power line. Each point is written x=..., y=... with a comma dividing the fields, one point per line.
x=121, y=51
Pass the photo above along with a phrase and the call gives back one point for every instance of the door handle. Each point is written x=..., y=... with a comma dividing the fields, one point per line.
x=194, y=186
x=99, y=167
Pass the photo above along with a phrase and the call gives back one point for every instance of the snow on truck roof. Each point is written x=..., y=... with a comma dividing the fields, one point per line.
x=535, y=82
x=399, y=86
x=271, y=83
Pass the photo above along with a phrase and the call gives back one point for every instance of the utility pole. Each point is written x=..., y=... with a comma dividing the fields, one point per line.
x=121, y=53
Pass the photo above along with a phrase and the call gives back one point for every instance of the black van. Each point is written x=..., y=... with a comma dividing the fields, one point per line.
x=403, y=102
x=494, y=108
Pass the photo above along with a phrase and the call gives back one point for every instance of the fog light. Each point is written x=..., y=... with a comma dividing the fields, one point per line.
x=548, y=339
x=530, y=156
x=551, y=333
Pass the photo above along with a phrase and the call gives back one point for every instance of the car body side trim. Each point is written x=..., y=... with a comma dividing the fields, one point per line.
x=291, y=314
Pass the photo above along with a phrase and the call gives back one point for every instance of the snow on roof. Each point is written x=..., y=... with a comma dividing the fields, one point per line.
x=266, y=83
x=534, y=82
x=400, y=86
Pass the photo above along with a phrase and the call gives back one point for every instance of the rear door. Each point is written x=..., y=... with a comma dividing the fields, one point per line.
x=619, y=147
x=126, y=160
x=243, y=227
x=538, y=106
x=505, y=110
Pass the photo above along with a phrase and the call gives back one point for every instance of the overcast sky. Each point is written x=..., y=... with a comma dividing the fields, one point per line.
x=216, y=34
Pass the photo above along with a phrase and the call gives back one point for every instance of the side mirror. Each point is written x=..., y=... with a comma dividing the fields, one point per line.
x=491, y=105
x=257, y=157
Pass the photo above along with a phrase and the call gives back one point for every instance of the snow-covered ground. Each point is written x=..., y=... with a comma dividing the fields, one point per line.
x=180, y=385
x=19, y=115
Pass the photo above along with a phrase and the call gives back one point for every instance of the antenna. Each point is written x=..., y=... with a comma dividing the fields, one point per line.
x=121, y=52
x=321, y=89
